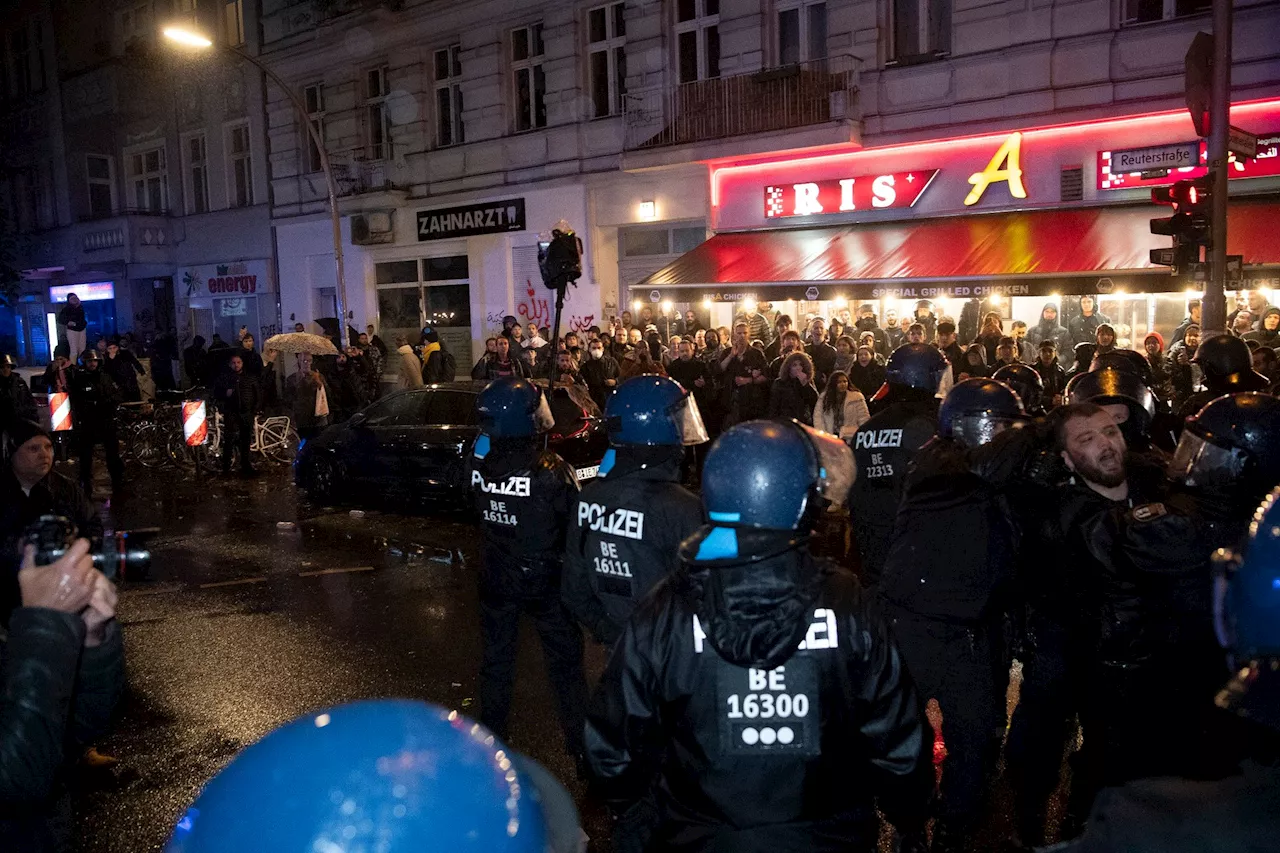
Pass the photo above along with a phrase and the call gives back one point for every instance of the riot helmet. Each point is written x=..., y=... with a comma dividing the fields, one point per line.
x=1110, y=386
x=1083, y=354
x=652, y=411
x=1123, y=359
x=512, y=407
x=916, y=366
x=89, y=355
x=1025, y=381
x=1234, y=441
x=978, y=409
x=387, y=774
x=1247, y=617
x=768, y=475
x=1228, y=365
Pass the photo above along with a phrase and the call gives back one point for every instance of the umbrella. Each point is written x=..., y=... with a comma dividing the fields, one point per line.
x=301, y=342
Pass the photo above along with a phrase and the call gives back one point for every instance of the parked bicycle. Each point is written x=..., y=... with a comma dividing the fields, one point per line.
x=274, y=441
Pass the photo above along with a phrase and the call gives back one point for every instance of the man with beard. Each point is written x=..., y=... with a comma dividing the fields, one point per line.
x=867, y=323
x=600, y=372
x=1058, y=584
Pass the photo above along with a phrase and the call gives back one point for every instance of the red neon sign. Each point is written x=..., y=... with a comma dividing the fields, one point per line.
x=865, y=192
x=1267, y=163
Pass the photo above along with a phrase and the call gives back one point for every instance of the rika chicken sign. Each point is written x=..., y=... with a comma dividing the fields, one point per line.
x=866, y=192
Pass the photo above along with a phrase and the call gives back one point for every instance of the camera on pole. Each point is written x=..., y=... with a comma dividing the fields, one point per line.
x=560, y=258
x=1189, y=226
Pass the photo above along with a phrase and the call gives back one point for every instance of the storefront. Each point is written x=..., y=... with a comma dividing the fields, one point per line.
x=225, y=298
x=1005, y=222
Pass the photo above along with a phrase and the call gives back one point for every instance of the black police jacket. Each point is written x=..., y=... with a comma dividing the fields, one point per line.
x=624, y=536
x=94, y=398
x=883, y=447
x=766, y=706
x=952, y=555
x=523, y=495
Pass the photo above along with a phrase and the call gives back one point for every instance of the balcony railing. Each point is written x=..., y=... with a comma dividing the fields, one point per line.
x=793, y=96
x=356, y=174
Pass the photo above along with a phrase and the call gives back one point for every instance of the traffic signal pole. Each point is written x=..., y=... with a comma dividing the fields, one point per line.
x=1214, y=302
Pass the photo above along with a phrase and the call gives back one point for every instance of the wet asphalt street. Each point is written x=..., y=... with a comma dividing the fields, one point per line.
x=243, y=626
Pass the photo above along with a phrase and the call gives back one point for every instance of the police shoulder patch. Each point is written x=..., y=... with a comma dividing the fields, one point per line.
x=1149, y=512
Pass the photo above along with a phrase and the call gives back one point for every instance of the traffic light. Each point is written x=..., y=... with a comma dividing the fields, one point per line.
x=1189, y=225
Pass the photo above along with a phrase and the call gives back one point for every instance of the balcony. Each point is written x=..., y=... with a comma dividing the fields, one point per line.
x=819, y=95
x=368, y=183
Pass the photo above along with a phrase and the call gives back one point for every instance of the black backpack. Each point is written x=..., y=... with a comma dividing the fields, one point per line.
x=440, y=367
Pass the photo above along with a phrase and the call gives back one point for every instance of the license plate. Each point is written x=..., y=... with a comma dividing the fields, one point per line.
x=589, y=473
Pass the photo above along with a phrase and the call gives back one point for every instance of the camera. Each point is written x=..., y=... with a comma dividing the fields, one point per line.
x=52, y=535
x=560, y=259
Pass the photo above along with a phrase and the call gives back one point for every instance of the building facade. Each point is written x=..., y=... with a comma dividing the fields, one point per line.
x=460, y=132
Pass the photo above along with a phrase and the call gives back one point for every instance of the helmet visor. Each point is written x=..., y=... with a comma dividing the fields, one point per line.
x=1198, y=462
x=688, y=420
x=836, y=468
x=543, y=420
x=978, y=429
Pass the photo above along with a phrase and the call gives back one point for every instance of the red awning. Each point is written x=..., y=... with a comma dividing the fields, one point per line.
x=1051, y=243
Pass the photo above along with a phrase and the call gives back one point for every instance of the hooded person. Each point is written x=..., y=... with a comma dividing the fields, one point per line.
x=1268, y=332
x=1084, y=328
x=925, y=317
x=410, y=367
x=755, y=700
x=974, y=365
x=1049, y=329
x=1161, y=381
x=1104, y=339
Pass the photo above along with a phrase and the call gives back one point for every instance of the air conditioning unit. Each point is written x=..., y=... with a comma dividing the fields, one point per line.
x=369, y=229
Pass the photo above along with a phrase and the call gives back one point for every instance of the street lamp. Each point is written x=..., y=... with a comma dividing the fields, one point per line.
x=192, y=39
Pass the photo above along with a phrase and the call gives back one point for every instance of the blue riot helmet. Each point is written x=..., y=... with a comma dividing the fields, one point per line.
x=1247, y=617
x=389, y=774
x=768, y=475
x=653, y=411
x=1232, y=443
x=512, y=407
x=917, y=366
x=1026, y=383
x=1123, y=393
x=976, y=410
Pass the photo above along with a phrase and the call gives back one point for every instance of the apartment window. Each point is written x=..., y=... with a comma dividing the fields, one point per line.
x=1141, y=11
x=313, y=97
x=148, y=180
x=102, y=190
x=697, y=32
x=449, y=96
x=802, y=32
x=529, y=82
x=607, y=62
x=921, y=28
x=233, y=20
x=240, y=155
x=135, y=25
x=20, y=76
x=197, y=154
x=377, y=118
x=33, y=201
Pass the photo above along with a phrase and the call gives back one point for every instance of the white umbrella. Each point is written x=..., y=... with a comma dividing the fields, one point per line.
x=300, y=342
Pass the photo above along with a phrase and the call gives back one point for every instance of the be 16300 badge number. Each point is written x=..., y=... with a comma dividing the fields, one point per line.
x=769, y=710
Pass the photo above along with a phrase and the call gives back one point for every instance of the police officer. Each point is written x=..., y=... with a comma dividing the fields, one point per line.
x=1227, y=365
x=884, y=446
x=94, y=399
x=1125, y=396
x=385, y=774
x=1026, y=383
x=757, y=687
x=948, y=581
x=16, y=402
x=626, y=529
x=524, y=495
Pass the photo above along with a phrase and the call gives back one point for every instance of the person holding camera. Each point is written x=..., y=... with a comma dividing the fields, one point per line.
x=30, y=488
x=62, y=667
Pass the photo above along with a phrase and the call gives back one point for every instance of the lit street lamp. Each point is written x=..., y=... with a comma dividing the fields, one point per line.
x=193, y=39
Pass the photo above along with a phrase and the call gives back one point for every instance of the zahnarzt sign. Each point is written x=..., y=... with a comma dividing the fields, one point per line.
x=490, y=217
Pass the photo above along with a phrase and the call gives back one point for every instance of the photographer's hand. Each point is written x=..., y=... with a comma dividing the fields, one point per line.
x=101, y=610
x=66, y=585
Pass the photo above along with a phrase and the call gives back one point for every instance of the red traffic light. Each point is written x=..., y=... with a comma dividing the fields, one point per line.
x=1190, y=195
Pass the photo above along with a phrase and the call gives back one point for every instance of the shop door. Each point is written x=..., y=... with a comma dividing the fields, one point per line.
x=162, y=304
x=234, y=316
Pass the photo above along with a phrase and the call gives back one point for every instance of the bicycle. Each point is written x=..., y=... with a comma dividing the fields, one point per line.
x=274, y=439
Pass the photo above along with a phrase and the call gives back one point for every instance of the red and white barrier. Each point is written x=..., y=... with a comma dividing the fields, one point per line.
x=60, y=411
x=194, y=427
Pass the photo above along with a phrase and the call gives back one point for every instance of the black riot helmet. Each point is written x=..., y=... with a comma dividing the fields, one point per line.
x=1123, y=359
x=1025, y=381
x=1084, y=354
x=1228, y=365
x=914, y=371
x=1234, y=442
x=1111, y=385
x=978, y=409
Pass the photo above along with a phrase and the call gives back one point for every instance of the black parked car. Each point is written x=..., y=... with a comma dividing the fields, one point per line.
x=412, y=446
